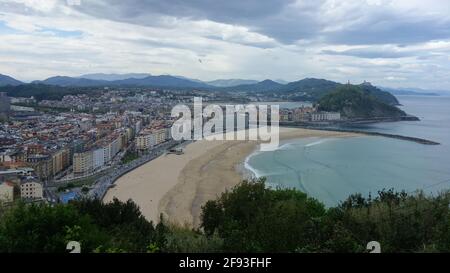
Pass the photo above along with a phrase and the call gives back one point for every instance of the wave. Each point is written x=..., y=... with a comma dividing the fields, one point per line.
x=247, y=166
x=317, y=142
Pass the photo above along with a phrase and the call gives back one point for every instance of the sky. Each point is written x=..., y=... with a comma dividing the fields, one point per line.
x=392, y=43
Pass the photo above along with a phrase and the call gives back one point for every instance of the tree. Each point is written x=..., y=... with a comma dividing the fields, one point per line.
x=42, y=228
x=252, y=218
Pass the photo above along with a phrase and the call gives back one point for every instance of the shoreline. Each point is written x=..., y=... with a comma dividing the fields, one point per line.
x=176, y=186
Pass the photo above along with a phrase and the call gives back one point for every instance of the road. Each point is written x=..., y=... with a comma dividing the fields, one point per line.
x=103, y=183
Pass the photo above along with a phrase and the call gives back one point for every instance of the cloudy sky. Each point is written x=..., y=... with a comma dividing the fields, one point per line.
x=397, y=43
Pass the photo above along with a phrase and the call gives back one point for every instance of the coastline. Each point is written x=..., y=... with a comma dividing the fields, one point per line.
x=176, y=186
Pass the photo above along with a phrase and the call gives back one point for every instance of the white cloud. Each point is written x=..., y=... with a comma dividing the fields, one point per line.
x=363, y=40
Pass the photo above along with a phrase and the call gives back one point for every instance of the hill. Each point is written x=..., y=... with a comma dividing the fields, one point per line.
x=309, y=89
x=231, y=82
x=114, y=77
x=149, y=81
x=42, y=91
x=409, y=92
x=69, y=81
x=379, y=94
x=264, y=86
x=7, y=80
x=161, y=81
x=355, y=102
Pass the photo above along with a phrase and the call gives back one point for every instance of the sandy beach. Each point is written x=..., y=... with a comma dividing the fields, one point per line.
x=178, y=185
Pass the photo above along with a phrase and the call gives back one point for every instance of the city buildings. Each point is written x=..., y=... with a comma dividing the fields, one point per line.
x=31, y=190
x=20, y=183
x=325, y=116
x=5, y=106
x=6, y=192
x=307, y=114
x=151, y=137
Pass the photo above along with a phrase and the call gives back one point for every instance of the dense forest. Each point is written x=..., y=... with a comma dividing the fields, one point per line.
x=354, y=101
x=44, y=92
x=249, y=218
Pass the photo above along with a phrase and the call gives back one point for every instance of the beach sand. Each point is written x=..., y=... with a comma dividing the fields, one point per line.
x=176, y=186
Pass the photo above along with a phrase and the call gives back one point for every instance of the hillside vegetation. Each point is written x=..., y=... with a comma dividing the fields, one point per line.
x=250, y=218
x=355, y=102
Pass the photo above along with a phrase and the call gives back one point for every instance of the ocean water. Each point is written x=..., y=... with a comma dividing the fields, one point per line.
x=330, y=169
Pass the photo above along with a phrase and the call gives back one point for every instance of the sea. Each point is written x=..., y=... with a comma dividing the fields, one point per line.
x=331, y=169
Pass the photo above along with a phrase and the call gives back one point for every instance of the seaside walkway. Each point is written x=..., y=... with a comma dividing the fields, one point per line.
x=104, y=183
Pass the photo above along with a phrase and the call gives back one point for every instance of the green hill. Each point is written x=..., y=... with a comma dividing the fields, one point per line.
x=356, y=102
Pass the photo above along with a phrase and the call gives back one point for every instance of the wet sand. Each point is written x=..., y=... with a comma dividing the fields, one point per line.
x=176, y=186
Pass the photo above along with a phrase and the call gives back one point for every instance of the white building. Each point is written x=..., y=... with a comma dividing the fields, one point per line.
x=138, y=127
x=145, y=142
x=99, y=158
x=325, y=116
x=6, y=192
x=160, y=135
x=115, y=146
x=107, y=154
x=31, y=190
x=168, y=133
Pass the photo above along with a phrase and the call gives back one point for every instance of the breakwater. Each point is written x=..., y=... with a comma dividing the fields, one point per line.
x=401, y=137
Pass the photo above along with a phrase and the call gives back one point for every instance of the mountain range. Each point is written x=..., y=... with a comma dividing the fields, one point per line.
x=309, y=89
x=411, y=91
x=114, y=77
x=148, y=81
x=230, y=82
x=7, y=80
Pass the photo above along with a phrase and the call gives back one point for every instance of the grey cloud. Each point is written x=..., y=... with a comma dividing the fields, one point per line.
x=392, y=32
x=272, y=18
x=263, y=45
x=282, y=20
x=370, y=53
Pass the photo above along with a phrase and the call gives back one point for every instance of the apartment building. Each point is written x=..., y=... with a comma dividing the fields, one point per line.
x=145, y=142
x=60, y=161
x=160, y=135
x=98, y=158
x=31, y=190
x=95, y=158
x=6, y=192
x=83, y=163
x=325, y=116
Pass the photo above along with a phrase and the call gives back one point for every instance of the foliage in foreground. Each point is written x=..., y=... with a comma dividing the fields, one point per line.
x=255, y=219
x=250, y=218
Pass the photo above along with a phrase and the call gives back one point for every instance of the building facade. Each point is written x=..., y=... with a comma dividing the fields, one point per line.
x=31, y=190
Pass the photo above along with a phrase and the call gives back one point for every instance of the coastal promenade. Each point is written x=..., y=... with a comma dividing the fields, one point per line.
x=104, y=183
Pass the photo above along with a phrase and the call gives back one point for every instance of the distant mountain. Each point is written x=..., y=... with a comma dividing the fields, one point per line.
x=185, y=78
x=114, y=77
x=42, y=91
x=352, y=101
x=380, y=94
x=264, y=86
x=405, y=91
x=161, y=81
x=281, y=81
x=69, y=81
x=150, y=81
x=7, y=80
x=310, y=88
x=231, y=82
